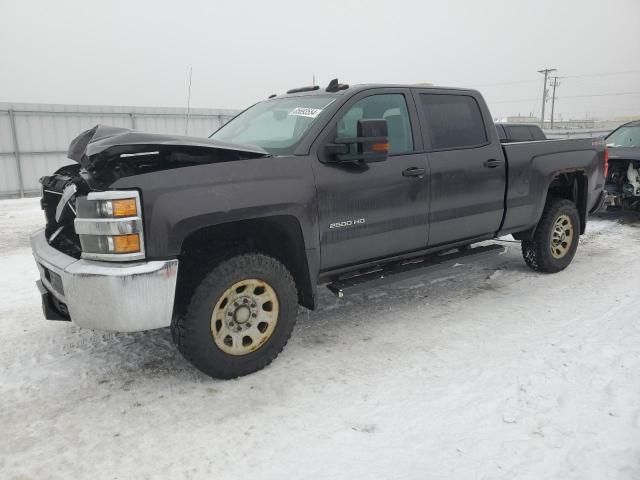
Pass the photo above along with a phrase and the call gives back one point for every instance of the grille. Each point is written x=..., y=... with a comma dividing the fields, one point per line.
x=61, y=233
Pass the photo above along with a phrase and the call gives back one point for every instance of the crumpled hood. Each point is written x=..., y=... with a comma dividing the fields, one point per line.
x=104, y=141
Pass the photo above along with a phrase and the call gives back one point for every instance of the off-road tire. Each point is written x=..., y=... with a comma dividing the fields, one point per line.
x=537, y=253
x=192, y=333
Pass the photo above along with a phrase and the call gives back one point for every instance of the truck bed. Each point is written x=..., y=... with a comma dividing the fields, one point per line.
x=531, y=167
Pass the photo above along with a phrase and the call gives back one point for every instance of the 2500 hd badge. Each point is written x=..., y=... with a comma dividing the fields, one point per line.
x=347, y=223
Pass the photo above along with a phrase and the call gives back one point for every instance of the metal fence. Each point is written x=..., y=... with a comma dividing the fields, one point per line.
x=577, y=133
x=34, y=137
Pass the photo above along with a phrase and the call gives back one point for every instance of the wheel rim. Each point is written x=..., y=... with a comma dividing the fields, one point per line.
x=561, y=236
x=245, y=317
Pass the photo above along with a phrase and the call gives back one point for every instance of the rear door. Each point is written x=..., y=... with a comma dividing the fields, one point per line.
x=368, y=211
x=467, y=165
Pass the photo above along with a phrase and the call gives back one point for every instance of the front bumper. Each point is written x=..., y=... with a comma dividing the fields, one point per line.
x=122, y=297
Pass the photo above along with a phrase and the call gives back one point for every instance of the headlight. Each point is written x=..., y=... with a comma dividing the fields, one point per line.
x=109, y=225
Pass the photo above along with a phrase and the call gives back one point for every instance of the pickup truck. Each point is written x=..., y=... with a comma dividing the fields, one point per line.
x=223, y=238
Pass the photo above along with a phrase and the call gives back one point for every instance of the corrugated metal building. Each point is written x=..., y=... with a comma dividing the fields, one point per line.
x=34, y=137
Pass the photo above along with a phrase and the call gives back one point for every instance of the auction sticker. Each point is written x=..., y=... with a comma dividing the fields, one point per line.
x=305, y=112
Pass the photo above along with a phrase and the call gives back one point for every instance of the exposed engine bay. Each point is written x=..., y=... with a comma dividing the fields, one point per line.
x=623, y=181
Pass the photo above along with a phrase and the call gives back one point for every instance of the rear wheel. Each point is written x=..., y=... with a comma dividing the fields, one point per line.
x=240, y=316
x=556, y=237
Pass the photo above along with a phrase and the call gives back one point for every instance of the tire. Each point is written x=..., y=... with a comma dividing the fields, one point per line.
x=551, y=252
x=231, y=296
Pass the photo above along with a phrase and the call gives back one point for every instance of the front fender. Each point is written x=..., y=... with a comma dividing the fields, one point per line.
x=180, y=201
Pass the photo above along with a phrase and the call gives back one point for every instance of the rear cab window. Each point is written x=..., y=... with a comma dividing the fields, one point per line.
x=520, y=133
x=537, y=133
x=453, y=121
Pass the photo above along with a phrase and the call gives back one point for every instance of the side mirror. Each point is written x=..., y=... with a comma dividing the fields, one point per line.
x=371, y=144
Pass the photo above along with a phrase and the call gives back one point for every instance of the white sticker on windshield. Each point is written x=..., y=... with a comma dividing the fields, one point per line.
x=305, y=112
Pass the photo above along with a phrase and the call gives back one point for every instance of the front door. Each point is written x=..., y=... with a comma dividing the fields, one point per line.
x=372, y=210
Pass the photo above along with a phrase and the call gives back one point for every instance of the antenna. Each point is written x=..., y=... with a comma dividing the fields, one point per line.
x=186, y=129
x=314, y=80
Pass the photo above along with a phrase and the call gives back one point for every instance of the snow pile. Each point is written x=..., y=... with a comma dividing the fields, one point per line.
x=488, y=371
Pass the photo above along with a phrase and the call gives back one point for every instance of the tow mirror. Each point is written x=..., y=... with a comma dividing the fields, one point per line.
x=371, y=144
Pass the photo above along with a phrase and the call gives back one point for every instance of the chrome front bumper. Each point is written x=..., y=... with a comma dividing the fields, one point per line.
x=122, y=297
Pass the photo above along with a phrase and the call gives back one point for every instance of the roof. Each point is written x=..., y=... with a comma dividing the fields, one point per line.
x=367, y=86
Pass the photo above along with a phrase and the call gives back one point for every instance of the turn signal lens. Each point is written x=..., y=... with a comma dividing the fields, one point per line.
x=126, y=243
x=124, y=208
x=380, y=147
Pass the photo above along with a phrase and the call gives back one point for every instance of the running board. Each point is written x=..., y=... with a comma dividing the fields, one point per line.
x=396, y=271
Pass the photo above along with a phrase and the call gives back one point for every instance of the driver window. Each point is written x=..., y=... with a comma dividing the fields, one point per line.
x=392, y=108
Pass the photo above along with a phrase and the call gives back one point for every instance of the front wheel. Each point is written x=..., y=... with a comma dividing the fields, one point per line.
x=240, y=316
x=556, y=237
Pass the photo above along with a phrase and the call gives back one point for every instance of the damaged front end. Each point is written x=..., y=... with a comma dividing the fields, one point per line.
x=107, y=154
x=91, y=255
x=623, y=179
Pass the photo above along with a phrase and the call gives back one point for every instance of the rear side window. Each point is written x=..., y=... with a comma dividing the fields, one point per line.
x=454, y=121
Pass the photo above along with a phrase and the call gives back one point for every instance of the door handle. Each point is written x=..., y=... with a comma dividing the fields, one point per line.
x=414, y=172
x=493, y=163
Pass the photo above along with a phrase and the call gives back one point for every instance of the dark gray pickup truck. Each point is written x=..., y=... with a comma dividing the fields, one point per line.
x=222, y=238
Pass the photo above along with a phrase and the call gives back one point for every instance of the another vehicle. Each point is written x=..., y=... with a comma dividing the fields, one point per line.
x=519, y=132
x=222, y=238
x=623, y=178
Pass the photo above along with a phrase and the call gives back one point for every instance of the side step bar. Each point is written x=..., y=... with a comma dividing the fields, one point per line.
x=397, y=271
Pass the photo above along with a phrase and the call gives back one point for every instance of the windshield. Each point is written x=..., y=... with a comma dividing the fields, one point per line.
x=625, y=137
x=275, y=125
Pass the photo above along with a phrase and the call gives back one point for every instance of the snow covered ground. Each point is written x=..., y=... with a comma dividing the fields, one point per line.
x=484, y=371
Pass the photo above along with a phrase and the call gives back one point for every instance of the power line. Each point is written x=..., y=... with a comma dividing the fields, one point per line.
x=602, y=74
x=569, y=96
x=601, y=95
x=581, y=75
x=505, y=83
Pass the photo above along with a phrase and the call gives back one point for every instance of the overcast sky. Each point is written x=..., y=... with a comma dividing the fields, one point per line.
x=139, y=52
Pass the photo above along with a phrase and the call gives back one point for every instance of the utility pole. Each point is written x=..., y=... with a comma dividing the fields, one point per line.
x=186, y=128
x=554, y=84
x=546, y=73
